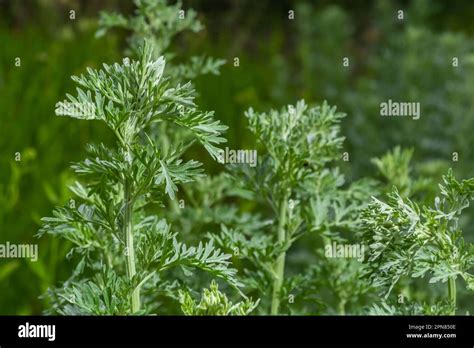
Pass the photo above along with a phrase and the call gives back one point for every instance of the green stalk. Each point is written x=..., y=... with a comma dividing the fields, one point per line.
x=280, y=263
x=342, y=307
x=130, y=248
x=452, y=292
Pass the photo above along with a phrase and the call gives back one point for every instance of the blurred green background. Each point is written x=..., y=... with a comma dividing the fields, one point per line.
x=281, y=60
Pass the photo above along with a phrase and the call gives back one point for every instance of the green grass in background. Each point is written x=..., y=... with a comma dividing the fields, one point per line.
x=47, y=144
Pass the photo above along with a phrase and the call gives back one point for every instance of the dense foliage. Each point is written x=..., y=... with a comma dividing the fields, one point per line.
x=340, y=214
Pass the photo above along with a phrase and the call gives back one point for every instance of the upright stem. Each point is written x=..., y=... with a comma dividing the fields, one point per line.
x=452, y=292
x=130, y=248
x=280, y=262
x=342, y=307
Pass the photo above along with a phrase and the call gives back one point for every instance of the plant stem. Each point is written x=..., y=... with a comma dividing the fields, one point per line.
x=342, y=307
x=280, y=262
x=130, y=248
x=452, y=293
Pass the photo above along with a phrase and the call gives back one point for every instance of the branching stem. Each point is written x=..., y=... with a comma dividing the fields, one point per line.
x=280, y=262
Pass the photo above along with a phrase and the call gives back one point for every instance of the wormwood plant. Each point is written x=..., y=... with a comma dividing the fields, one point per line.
x=396, y=169
x=127, y=253
x=298, y=143
x=160, y=23
x=409, y=240
x=214, y=302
